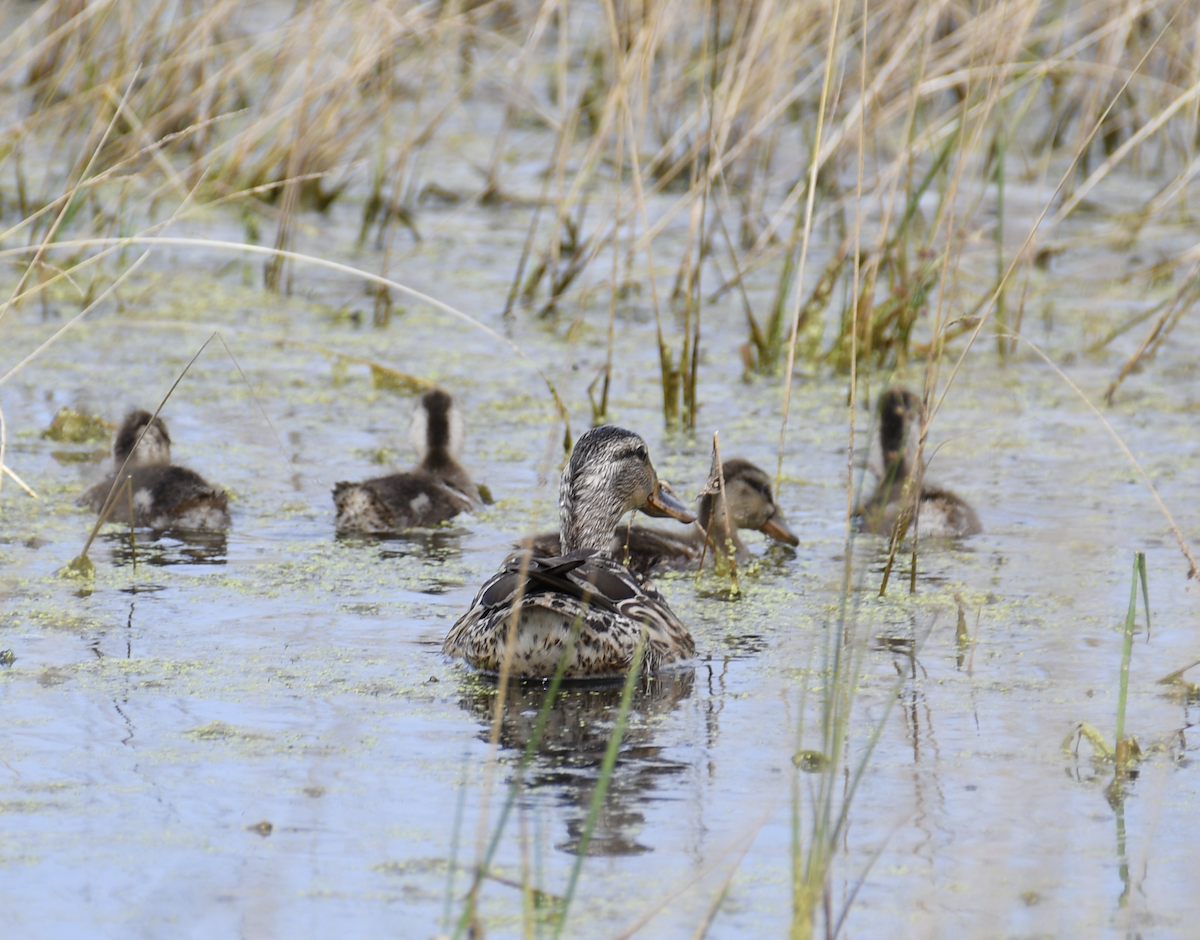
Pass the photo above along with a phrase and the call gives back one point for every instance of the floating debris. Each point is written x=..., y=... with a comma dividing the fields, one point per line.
x=811, y=762
x=74, y=427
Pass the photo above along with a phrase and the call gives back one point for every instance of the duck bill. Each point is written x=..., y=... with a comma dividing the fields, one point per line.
x=779, y=531
x=663, y=504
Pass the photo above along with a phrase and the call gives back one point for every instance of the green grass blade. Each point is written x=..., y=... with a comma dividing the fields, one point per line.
x=1127, y=651
x=606, y=772
x=1141, y=564
x=515, y=786
x=456, y=831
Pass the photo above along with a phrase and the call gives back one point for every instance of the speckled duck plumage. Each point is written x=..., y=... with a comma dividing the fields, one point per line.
x=608, y=475
x=941, y=514
x=437, y=489
x=163, y=496
x=751, y=506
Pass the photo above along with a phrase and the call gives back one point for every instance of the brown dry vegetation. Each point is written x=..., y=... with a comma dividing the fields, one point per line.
x=710, y=109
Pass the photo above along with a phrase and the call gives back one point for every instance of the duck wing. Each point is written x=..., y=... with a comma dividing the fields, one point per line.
x=648, y=550
x=577, y=575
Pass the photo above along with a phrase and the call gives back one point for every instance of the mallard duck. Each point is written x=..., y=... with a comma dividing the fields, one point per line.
x=751, y=506
x=437, y=489
x=942, y=514
x=545, y=599
x=164, y=497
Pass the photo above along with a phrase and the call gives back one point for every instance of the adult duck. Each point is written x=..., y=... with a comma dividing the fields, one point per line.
x=582, y=602
x=941, y=513
x=751, y=506
x=163, y=496
x=437, y=489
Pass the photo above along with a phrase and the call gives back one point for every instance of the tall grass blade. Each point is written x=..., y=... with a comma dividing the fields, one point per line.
x=606, y=772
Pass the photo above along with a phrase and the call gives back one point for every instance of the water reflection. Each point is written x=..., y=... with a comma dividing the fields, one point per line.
x=436, y=544
x=568, y=756
x=433, y=547
x=65, y=457
x=169, y=547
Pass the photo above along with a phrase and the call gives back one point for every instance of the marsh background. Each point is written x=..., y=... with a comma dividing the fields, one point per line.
x=628, y=193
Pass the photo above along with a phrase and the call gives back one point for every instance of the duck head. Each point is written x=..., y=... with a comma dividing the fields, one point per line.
x=609, y=474
x=751, y=505
x=437, y=429
x=899, y=431
x=153, y=450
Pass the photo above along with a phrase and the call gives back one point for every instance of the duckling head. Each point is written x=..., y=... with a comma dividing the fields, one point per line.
x=437, y=430
x=751, y=505
x=899, y=430
x=154, y=448
x=609, y=474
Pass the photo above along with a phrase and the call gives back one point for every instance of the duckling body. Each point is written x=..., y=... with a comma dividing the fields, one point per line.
x=584, y=591
x=437, y=489
x=941, y=513
x=163, y=496
x=751, y=506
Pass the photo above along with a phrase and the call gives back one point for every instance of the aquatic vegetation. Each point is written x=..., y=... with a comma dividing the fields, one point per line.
x=72, y=427
x=1125, y=750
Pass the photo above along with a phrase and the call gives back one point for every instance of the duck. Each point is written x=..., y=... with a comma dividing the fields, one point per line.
x=649, y=551
x=163, y=496
x=583, y=591
x=941, y=513
x=436, y=489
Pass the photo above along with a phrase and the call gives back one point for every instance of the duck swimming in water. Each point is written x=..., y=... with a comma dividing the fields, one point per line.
x=942, y=514
x=751, y=506
x=437, y=489
x=164, y=497
x=543, y=600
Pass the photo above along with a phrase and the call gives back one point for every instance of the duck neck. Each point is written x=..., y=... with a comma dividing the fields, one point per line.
x=587, y=517
x=437, y=460
x=894, y=433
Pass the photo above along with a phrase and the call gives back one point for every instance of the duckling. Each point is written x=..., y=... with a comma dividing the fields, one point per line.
x=585, y=589
x=942, y=513
x=751, y=506
x=437, y=489
x=164, y=496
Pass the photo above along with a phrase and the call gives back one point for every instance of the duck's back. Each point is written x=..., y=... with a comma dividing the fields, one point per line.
x=551, y=595
x=396, y=502
x=163, y=497
x=945, y=515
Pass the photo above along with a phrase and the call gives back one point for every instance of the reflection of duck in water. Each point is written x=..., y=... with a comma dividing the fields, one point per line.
x=751, y=506
x=171, y=547
x=942, y=514
x=164, y=496
x=571, y=749
x=437, y=489
x=608, y=475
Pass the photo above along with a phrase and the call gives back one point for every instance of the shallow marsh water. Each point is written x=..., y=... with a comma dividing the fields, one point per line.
x=280, y=674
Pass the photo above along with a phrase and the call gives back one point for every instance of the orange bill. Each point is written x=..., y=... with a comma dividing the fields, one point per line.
x=778, y=529
x=663, y=503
